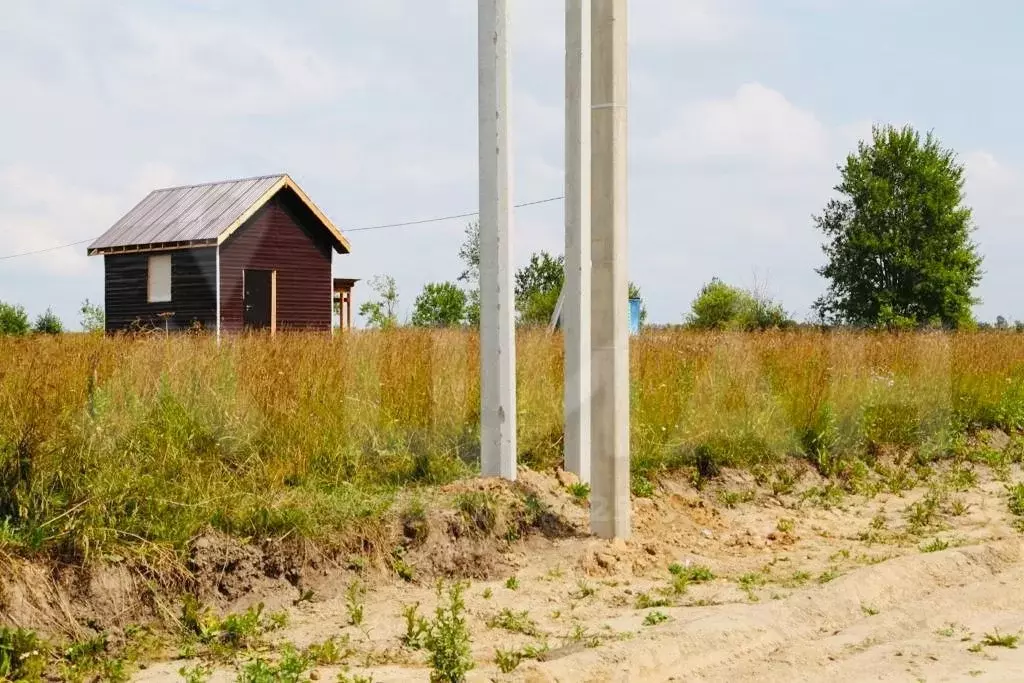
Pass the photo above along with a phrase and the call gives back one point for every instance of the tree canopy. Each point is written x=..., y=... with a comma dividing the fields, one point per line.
x=441, y=304
x=897, y=241
x=13, y=320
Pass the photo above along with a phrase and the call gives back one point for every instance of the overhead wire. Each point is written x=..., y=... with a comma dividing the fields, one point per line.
x=422, y=221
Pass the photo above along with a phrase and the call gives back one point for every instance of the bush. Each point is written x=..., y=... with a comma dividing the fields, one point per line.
x=48, y=323
x=723, y=307
x=13, y=320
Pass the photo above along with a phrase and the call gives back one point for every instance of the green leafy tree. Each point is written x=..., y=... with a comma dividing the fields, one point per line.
x=720, y=306
x=93, y=319
x=48, y=323
x=13, y=320
x=537, y=286
x=383, y=311
x=634, y=293
x=897, y=242
x=469, y=252
x=441, y=304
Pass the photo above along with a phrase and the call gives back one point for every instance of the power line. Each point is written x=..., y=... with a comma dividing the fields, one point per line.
x=371, y=227
x=40, y=251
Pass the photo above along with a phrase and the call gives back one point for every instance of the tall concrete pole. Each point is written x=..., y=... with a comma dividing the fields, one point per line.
x=610, y=504
x=497, y=322
x=576, y=294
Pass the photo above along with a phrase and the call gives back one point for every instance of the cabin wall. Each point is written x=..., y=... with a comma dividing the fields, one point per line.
x=193, y=290
x=275, y=238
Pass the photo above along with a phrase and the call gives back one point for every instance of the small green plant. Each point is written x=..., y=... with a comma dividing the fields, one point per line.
x=200, y=673
x=579, y=491
x=868, y=610
x=289, y=669
x=654, y=618
x=645, y=601
x=23, y=655
x=921, y=515
x=1016, y=502
x=507, y=660
x=731, y=499
x=798, y=578
x=830, y=574
x=330, y=652
x=512, y=583
x=448, y=639
x=583, y=590
x=696, y=574
x=998, y=639
x=958, y=507
x=641, y=487
x=488, y=593
x=935, y=546
x=416, y=628
x=785, y=526
x=355, y=595
x=516, y=622
x=345, y=677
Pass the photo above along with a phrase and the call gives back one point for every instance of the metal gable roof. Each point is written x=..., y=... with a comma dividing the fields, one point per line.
x=198, y=214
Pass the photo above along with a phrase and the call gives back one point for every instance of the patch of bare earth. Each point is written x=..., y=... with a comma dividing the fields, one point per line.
x=804, y=585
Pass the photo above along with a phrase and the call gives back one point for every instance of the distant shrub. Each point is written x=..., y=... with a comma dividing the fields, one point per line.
x=13, y=320
x=48, y=323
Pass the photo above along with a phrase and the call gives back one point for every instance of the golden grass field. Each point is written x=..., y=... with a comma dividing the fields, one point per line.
x=134, y=443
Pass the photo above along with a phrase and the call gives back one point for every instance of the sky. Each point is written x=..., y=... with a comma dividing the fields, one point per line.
x=739, y=112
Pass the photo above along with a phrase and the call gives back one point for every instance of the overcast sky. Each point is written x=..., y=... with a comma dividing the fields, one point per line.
x=739, y=112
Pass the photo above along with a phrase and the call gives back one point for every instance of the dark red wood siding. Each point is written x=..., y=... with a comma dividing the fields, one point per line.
x=281, y=237
x=193, y=293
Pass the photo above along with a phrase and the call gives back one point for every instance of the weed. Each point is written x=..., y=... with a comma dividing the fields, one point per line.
x=515, y=622
x=330, y=652
x=654, y=618
x=579, y=491
x=830, y=574
x=507, y=660
x=1016, y=501
x=997, y=639
x=448, y=638
x=977, y=647
x=731, y=499
x=355, y=595
x=345, y=677
x=289, y=669
x=480, y=509
x=512, y=583
x=922, y=514
x=645, y=601
x=583, y=590
x=199, y=673
x=488, y=593
x=695, y=574
x=417, y=628
x=785, y=526
x=23, y=655
x=641, y=487
x=868, y=610
x=935, y=546
x=797, y=579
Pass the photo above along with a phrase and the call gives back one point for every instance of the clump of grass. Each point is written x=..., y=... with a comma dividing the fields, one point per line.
x=935, y=546
x=515, y=622
x=580, y=491
x=1016, y=499
x=23, y=654
x=997, y=639
x=583, y=590
x=694, y=574
x=785, y=525
x=512, y=583
x=645, y=601
x=480, y=509
x=235, y=632
x=654, y=618
x=289, y=669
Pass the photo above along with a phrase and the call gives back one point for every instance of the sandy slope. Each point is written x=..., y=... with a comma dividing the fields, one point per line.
x=801, y=592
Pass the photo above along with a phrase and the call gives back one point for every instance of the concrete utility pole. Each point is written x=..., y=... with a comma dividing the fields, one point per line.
x=497, y=322
x=575, y=297
x=610, y=504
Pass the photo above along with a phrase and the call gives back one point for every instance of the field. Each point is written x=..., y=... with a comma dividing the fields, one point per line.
x=169, y=463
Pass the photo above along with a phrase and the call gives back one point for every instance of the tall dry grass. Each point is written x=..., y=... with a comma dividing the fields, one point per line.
x=115, y=442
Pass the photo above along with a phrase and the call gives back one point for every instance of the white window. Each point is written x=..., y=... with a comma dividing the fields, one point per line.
x=159, y=278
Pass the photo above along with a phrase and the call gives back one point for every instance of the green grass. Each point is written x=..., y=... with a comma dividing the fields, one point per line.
x=135, y=445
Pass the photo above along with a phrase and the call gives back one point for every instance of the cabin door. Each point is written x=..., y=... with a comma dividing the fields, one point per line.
x=259, y=297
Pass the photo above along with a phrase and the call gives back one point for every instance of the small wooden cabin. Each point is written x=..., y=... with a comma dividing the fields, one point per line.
x=228, y=256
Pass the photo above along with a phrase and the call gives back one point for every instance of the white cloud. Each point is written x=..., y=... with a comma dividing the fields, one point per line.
x=757, y=124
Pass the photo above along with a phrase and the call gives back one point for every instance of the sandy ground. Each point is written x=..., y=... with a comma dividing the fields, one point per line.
x=802, y=590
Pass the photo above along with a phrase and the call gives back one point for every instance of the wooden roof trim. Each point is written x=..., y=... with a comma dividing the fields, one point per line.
x=284, y=182
x=156, y=246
